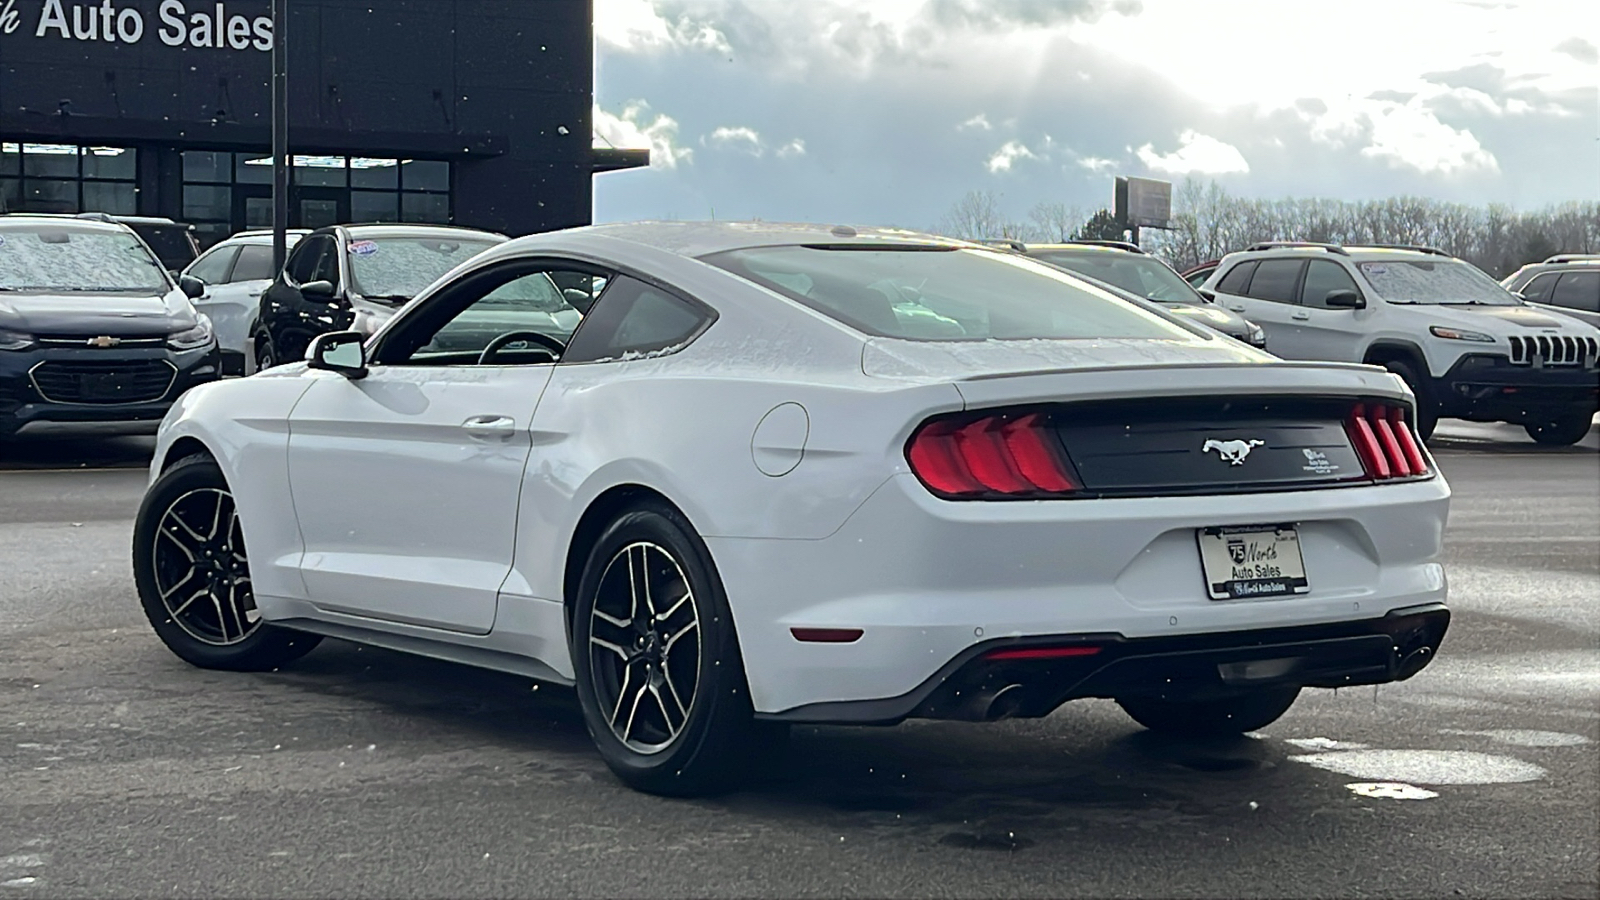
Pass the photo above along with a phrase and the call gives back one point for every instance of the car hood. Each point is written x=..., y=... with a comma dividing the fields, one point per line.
x=1519, y=317
x=87, y=314
x=1215, y=316
x=890, y=358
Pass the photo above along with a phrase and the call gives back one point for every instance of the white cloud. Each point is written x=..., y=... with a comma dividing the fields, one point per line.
x=1196, y=153
x=796, y=147
x=1009, y=153
x=629, y=130
x=1097, y=164
x=740, y=139
x=979, y=122
x=635, y=25
x=1408, y=137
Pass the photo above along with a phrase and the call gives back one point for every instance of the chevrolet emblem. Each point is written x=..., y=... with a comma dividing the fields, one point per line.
x=104, y=341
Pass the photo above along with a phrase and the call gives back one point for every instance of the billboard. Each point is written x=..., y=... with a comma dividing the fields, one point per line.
x=1143, y=202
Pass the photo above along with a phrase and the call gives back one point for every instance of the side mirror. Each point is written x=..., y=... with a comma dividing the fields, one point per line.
x=1210, y=295
x=339, y=351
x=1344, y=300
x=1520, y=296
x=191, y=286
x=317, y=290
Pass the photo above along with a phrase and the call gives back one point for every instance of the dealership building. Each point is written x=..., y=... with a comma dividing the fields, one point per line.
x=473, y=112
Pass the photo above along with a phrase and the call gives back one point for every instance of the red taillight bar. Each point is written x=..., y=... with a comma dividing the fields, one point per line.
x=1383, y=439
x=1001, y=455
x=1040, y=652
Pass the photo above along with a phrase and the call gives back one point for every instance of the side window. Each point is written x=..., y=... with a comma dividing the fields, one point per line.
x=302, y=264
x=515, y=308
x=1538, y=290
x=328, y=264
x=634, y=319
x=1237, y=278
x=1578, y=290
x=254, y=264
x=1322, y=279
x=212, y=268
x=1275, y=280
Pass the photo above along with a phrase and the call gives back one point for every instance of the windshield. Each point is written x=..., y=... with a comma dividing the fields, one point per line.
x=401, y=267
x=1138, y=275
x=62, y=259
x=1445, y=282
x=944, y=295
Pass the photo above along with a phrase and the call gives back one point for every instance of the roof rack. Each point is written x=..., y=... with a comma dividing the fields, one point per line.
x=1431, y=251
x=1120, y=245
x=1574, y=257
x=1007, y=243
x=1280, y=245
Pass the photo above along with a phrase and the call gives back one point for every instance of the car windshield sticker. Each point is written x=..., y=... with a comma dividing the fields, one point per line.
x=1375, y=269
x=364, y=248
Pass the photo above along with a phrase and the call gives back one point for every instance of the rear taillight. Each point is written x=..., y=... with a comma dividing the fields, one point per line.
x=1383, y=438
x=1000, y=455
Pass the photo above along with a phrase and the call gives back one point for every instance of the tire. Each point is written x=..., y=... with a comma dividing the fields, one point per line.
x=1427, y=405
x=193, y=575
x=266, y=354
x=1211, y=718
x=633, y=664
x=1561, y=430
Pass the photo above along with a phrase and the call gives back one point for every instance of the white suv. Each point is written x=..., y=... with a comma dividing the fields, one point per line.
x=1468, y=348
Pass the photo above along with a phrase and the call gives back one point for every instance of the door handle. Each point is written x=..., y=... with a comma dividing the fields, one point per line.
x=1300, y=316
x=1239, y=308
x=489, y=427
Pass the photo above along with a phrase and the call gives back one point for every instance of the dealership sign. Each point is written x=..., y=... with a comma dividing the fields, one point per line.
x=177, y=23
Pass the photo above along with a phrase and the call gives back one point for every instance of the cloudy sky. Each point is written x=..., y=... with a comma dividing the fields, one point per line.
x=888, y=111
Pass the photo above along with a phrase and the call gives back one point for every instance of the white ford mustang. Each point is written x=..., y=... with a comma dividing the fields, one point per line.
x=797, y=474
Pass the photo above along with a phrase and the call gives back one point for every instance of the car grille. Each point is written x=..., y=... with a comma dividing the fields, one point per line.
x=104, y=382
x=1553, y=350
x=89, y=341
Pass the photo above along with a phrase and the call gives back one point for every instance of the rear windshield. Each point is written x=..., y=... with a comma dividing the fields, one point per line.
x=400, y=267
x=1445, y=282
x=1141, y=275
x=944, y=294
x=63, y=260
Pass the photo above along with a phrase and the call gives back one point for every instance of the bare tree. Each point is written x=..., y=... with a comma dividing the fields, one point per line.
x=975, y=216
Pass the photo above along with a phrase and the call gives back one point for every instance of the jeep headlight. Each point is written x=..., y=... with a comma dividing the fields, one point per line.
x=1461, y=334
x=192, y=338
x=15, y=340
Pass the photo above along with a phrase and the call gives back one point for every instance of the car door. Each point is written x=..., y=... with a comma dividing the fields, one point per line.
x=1578, y=295
x=406, y=482
x=1268, y=294
x=290, y=317
x=211, y=270
x=1323, y=332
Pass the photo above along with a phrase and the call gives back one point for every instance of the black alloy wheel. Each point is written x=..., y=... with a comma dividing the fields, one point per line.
x=1211, y=718
x=659, y=674
x=193, y=574
x=1560, y=429
x=266, y=356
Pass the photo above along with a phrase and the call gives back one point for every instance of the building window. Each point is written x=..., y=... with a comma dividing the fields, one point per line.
x=67, y=178
x=225, y=192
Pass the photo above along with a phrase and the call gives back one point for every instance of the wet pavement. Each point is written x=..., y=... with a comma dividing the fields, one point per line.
x=364, y=773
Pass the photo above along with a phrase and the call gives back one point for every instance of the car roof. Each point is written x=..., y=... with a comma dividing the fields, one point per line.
x=696, y=239
x=261, y=237
x=1352, y=252
x=397, y=229
x=21, y=221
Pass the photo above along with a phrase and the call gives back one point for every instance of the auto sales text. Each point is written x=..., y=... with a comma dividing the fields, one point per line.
x=209, y=26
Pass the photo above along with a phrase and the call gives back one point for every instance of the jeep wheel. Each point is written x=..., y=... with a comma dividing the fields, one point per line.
x=1211, y=718
x=1427, y=406
x=1560, y=430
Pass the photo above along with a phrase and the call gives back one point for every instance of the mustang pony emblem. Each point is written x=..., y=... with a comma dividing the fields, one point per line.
x=1233, y=452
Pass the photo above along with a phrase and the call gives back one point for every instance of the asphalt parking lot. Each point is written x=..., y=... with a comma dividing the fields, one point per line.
x=365, y=773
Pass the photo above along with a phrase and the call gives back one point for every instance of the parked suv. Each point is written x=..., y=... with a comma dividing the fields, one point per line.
x=233, y=275
x=94, y=335
x=172, y=242
x=353, y=278
x=1468, y=348
x=1569, y=283
x=1124, y=265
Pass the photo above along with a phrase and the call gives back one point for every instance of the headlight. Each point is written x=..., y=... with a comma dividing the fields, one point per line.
x=15, y=340
x=1458, y=334
x=193, y=338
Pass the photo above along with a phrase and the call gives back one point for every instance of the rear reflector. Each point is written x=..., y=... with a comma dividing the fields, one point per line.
x=826, y=635
x=1001, y=454
x=1040, y=652
x=1382, y=436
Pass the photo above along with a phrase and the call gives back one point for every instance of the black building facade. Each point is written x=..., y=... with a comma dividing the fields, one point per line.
x=474, y=112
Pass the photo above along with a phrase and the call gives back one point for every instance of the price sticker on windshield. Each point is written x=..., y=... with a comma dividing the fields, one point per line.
x=363, y=248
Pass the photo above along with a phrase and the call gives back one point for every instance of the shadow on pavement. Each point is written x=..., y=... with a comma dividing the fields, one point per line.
x=76, y=452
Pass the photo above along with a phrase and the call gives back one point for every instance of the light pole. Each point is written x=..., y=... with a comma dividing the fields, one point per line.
x=280, y=133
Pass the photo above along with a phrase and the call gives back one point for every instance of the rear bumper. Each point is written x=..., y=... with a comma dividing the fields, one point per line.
x=975, y=686
x=1487, y=387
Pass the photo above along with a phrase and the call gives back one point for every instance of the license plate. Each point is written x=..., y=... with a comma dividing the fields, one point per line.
x=1244, y=561
x=101, y=386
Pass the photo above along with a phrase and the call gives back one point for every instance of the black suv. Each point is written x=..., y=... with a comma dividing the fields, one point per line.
x=353, y=278
x=94, y=335
x=172, y=242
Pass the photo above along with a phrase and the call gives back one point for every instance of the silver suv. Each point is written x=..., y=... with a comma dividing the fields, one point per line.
x=1568, y=283
x=1467, y=347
